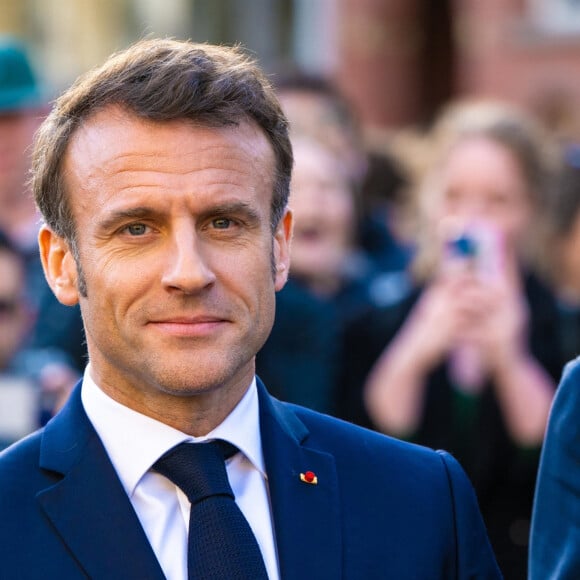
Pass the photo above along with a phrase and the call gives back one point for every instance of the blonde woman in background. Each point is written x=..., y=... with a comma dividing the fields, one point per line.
x=468, y=362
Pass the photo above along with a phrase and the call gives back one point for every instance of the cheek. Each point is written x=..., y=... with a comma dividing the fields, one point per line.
x=247, y=266
x=445, y=207
x=114, y=286
x=516, y=221
x=252, y=289
x=339, y=209
x=115, y=267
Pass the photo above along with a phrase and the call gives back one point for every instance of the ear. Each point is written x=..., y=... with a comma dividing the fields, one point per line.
x=282, y=239
x=59, y=266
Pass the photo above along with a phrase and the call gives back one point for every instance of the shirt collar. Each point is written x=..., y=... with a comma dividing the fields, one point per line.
x=134, y=442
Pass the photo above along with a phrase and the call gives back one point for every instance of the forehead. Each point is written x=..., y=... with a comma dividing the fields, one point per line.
x=480, y=152
x=481, y=166
x=313, y=160
x=114, y=141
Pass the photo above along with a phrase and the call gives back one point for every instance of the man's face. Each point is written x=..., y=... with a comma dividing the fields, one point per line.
x=176, y=247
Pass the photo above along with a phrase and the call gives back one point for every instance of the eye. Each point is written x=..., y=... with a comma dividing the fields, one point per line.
x=221, y=223
x=136, y=229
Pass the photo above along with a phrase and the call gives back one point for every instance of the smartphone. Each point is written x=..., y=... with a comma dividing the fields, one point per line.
x=479, y=248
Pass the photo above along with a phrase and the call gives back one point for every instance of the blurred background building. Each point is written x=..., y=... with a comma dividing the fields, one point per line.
x=397, y=60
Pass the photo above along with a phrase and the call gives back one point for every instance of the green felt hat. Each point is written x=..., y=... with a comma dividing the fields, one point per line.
x=19, y=87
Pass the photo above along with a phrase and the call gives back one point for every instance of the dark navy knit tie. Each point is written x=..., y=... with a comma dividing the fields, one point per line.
x=221, y=544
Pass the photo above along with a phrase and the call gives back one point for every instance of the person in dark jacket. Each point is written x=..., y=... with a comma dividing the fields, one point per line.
x=469, y=360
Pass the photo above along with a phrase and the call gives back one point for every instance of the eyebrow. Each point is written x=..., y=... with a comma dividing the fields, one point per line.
x=240, y=208
x=119, y=216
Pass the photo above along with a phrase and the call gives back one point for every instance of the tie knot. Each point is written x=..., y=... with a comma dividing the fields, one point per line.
x=198, y=469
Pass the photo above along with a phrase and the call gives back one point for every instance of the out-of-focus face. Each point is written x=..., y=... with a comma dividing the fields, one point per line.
x=314, y=116
x=177, y=251
x=324, y=215
x=18, y=215
x=16, y=133
x=481, y=181
x=14, y=315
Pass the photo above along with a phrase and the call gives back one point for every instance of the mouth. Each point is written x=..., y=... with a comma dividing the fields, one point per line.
x=308, y=234
x=189, y=326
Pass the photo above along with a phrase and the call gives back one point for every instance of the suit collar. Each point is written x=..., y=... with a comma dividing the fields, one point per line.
x=89, y=507
x=91, y=512
x=306, y=516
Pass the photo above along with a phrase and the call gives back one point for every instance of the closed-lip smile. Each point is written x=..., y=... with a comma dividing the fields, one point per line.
x=189, y=326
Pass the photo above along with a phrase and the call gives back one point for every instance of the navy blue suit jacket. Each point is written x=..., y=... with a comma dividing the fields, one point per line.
x=381, y=508
x=555, y=536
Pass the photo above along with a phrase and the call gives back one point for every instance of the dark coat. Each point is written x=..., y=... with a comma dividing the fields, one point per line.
x=381, y=509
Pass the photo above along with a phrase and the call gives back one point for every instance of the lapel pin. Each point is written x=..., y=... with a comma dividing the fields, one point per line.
x=309, y=477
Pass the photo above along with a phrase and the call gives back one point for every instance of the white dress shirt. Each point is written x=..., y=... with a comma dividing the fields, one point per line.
x=135, y=442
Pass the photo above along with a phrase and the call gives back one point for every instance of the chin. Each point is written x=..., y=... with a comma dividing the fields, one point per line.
x=187, y=379
x=189, y=390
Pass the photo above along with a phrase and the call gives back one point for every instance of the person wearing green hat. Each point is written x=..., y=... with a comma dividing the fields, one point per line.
x=19, y=88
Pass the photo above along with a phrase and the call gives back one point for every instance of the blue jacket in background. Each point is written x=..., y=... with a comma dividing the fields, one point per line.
x=555, y=535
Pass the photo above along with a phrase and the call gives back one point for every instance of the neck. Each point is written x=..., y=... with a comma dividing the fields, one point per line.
x=194, y=414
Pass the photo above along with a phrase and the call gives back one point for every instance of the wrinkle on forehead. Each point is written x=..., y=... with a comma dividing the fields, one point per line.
x=98, y=147
x=98, y=150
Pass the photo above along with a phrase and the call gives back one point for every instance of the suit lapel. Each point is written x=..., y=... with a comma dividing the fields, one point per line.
x=306, y=516
x=89, y=507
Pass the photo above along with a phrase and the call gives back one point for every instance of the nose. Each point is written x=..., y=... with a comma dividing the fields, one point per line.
x=187, y=268
x=473, y=208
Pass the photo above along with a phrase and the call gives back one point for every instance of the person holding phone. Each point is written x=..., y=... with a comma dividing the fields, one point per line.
x=467, y=362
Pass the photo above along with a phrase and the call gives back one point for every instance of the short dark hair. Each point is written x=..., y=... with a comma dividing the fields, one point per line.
x=161, y=80
x=320, y=86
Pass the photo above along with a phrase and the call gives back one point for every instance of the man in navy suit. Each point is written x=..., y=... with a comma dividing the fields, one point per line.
x=555, y=545
x=163, y=180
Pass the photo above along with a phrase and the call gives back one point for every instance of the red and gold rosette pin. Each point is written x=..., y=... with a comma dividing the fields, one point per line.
x=309, y=477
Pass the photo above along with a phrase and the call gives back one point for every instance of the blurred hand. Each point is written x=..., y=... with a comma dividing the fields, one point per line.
x=445, y=315
x=500, y=324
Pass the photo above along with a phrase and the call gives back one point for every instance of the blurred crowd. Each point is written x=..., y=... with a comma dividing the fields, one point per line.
x=434, y=291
